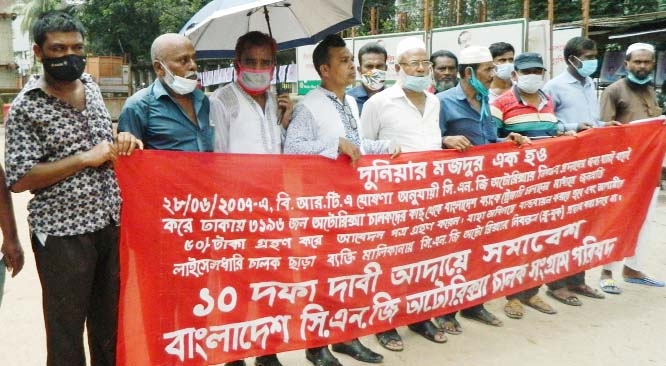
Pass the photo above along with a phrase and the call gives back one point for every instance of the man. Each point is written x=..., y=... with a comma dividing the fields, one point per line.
x=528, y=111
x=465, y=120
x=325, y=123
x=464, y=39
x=171, y=113
x=626, y=100
x=372, y=68
x=444, y=71
x=11, y=249
x=576, y=106
x=407, y=114
x=245, y=114
x=60, y=146
x=503, y=54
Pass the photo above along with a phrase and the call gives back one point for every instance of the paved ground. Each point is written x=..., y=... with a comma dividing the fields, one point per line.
x=621, y=330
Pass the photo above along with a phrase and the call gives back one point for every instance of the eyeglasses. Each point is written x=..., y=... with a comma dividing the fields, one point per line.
x=414, y=64
x=350, y=116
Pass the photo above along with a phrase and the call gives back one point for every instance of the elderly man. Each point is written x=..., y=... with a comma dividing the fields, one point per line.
x=60, y=146
x=372, y=68
x=576, y=106
x=407, y=114
x=627, y=100
x=171, y=113
x=325, y=123
x=245, y=114
x=465, y=120
x=444, y=71
x=503, y=54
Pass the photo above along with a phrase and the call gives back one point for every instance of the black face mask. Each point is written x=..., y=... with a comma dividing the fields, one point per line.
x=65, y=68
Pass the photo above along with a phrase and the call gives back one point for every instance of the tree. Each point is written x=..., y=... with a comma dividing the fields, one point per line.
x=31, y=9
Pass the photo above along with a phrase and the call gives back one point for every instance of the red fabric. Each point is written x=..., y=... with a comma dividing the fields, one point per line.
x=451, y=242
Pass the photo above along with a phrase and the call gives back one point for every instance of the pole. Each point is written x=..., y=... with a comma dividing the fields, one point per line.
x=268, y=22
x=526, y=9
x=426, y=16
x=586, y=16
x=551, y=22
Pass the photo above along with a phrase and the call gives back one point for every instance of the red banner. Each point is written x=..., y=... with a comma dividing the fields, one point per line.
x=227, y=256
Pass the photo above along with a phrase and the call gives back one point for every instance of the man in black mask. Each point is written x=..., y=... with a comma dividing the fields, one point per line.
x=60, y=146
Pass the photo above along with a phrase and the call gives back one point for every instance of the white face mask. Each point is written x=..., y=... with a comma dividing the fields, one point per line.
x=374, y=80
x=180, y=85
x=503, y=71
x=530, y=83
x=255, y=81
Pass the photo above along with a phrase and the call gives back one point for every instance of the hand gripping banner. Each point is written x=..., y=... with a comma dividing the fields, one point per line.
x=226, y=256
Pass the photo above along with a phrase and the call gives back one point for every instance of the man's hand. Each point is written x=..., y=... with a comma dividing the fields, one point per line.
x=346, y=147
x=460, y=143
x=612, y=123
x=519, y=139
x=126, y=143
x=285, y=107
x=13, y=255
x=100, y=154
x=394, y=149
x=584, y=126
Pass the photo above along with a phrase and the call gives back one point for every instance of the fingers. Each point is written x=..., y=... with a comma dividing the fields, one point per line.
x=126, y=143
x=14, y=261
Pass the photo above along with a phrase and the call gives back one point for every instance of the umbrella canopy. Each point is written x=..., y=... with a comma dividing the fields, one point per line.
x=215, y=28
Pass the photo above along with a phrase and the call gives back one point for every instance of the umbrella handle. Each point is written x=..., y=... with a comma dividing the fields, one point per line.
x=268, y=22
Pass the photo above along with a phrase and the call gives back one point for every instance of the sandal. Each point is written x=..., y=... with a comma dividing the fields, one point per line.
x=390, y=340
x=513, y=309
x=484, y=316
x=429, y=331
x=537, y=303
x=609, y=286
x=449, y=323
x=588, y=291
x=568, y=300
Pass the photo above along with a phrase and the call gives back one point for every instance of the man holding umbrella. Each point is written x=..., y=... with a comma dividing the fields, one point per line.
x=245, y=114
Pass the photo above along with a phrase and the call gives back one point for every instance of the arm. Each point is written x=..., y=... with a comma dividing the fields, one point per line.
x=42, y=175
x=607, y=105
x=370, y=121
x=11, y=247
x=302, y=137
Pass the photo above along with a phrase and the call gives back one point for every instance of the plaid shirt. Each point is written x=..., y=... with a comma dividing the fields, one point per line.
x=42, y=128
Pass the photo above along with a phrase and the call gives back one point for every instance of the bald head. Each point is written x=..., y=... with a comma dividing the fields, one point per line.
x=168, y=43
x=174, y=52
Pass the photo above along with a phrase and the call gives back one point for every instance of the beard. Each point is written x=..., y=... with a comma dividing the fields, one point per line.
x=443, y=85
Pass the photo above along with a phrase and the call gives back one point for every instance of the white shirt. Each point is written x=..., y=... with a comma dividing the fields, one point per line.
x=240, y=124
x=389, y=115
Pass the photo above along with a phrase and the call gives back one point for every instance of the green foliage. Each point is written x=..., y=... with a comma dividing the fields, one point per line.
x=117, y=27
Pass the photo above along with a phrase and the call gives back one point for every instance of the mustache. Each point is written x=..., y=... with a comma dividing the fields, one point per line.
x=192, y=75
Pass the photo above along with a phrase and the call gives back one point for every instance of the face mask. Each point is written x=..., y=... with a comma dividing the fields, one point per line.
x=481, y=94
x=503, y=71
x=254, y=81
x=180, y=85
x=638, y=81
x=374, y=80
x=65, y=68
x=530, y=83
x=414, y=83
x=587, y=68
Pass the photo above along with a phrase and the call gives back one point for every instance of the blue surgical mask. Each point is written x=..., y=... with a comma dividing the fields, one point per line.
x=638, y=81
x=481, y=94
x=414, y=83
x=587, y=67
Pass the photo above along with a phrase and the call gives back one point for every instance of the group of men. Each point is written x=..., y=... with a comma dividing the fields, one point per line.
x=61, y=147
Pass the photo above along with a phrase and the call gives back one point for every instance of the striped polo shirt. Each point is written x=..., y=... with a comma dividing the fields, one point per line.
x=512, y=114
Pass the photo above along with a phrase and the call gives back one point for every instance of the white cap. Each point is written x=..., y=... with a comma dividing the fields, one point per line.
x=640, y=47
x=474, y=55
x=408, y=44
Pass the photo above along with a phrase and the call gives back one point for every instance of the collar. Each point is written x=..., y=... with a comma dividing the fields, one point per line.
x=35, y=81
x=358, y=91
x=459, y=93
x=160, y=91
x=514, y=89
x=572, y=79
